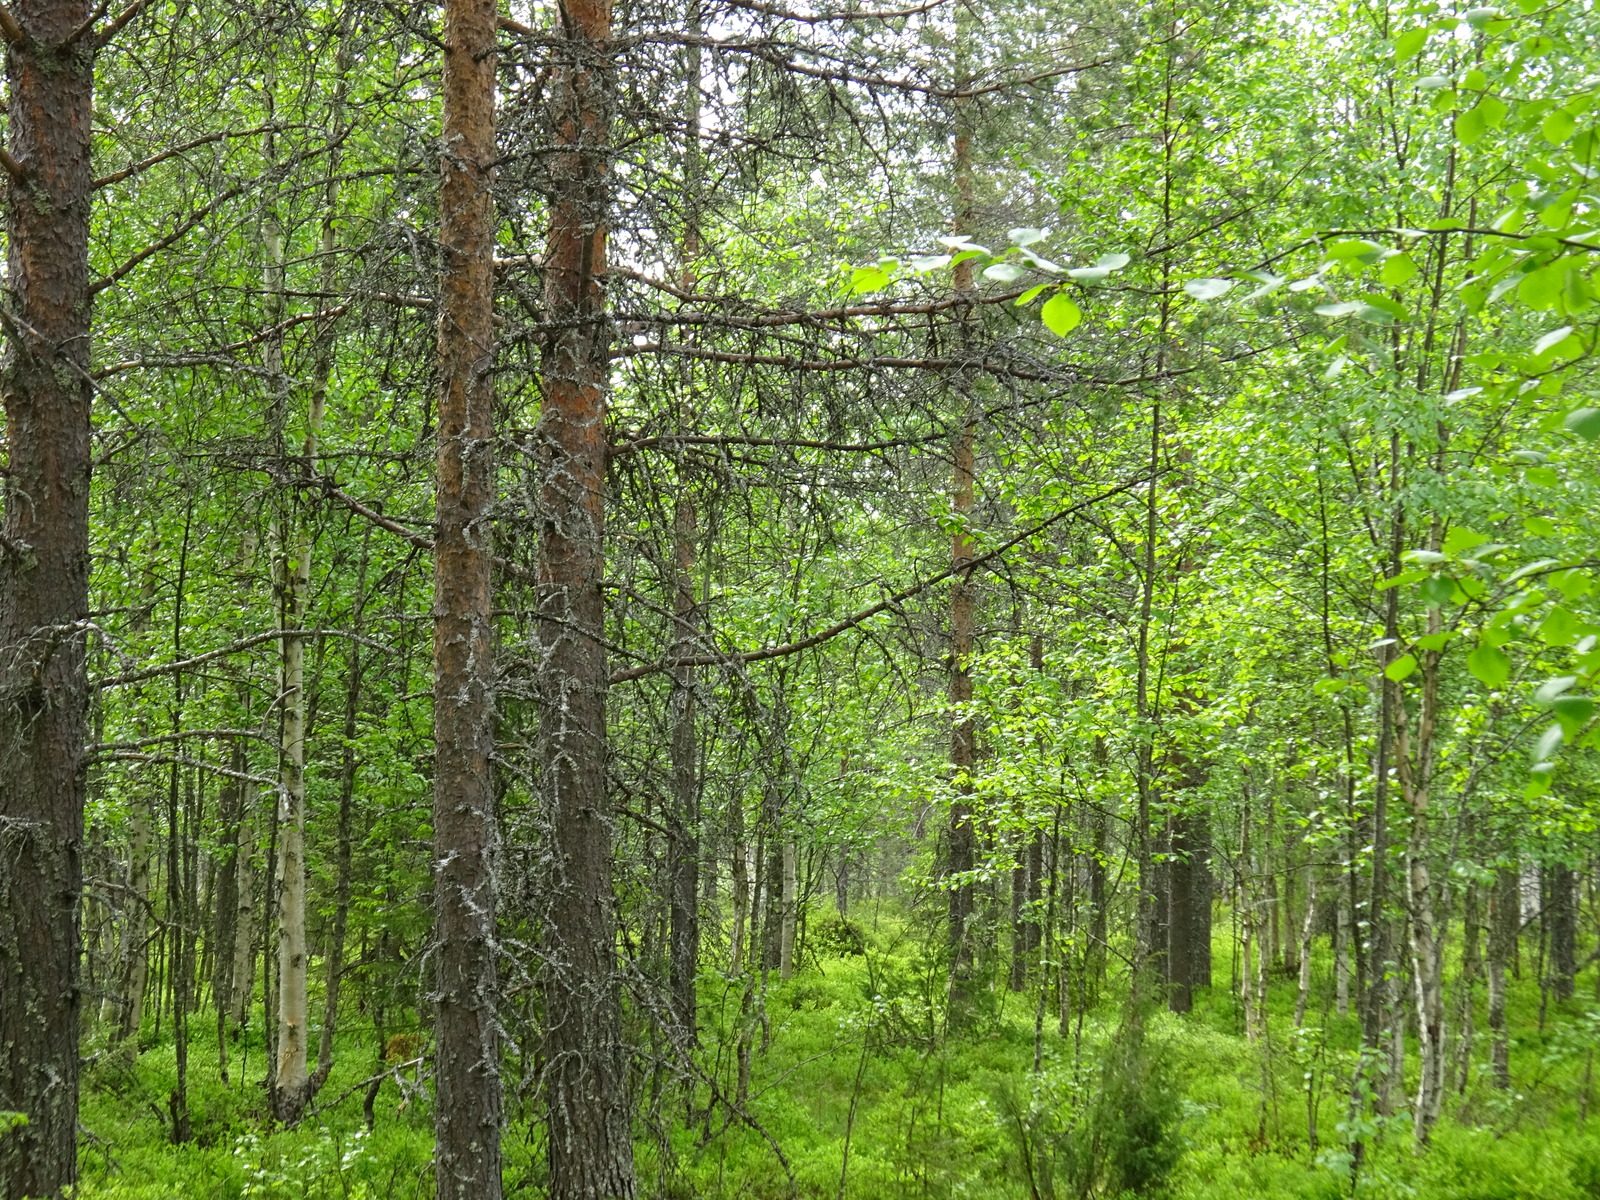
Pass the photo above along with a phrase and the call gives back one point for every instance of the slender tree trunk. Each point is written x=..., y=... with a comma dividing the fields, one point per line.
x=136, y=935
x=1562, y=910
x=790, y=908
x=290, y=1081
x=590, y=1138
x=683, y=846
x=44, y=589
x=467, y=1113
x=348, y=766
x=243, y=974
x=1307, y=929
x=739, y=883
x=1427, y=957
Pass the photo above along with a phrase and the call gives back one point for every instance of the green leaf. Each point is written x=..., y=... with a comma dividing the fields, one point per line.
x=1585, y=422
x=1401, y=668
x=1029, y=296
x=1490, y=665
x=1208, y=289
x=1549, y=742
x=867, y=279
x=1542, y=288
x=1391, y=309
x=1459, y=540
x=1397, y=269
x=1112, y=262
x=1438, y=590
x=1471, y=125
x=1342, y=309
x=1401, y=580
x=1552, y=339
x=1434, y=641
x=1573, y=712
x=1409, y=44
x=1480, y=17
x=1559, y=628
x=1060, y=314
x=1547, y=691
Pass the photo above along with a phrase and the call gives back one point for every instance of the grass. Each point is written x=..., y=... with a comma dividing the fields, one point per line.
x=854, y=1055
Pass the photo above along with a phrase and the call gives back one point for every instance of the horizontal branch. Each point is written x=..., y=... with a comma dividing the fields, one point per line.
x=145, y=164
x=243, y=644
x=186, y=735
x=179, y=760
x=783, y=14
x=884, y=605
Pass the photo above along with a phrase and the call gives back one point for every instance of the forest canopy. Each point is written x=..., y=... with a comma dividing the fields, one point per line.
x=748, y=598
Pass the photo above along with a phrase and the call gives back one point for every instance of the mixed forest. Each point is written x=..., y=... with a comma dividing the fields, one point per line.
x=610, y=599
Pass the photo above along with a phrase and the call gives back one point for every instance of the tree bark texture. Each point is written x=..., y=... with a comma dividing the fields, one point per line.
x=586, y=1091
x=44, y=591
x=467, y=1070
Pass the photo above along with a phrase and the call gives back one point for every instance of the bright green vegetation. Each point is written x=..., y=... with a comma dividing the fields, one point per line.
x=855, y=1052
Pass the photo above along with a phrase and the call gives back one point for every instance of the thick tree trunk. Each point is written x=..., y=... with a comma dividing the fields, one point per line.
x=1187, y=896
x=590, y=1139
x=467, y=1052
x=44, y=590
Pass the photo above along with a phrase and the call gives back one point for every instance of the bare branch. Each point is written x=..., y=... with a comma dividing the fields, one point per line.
x=884, y=605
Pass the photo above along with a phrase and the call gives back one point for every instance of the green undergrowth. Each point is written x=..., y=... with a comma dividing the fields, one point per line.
x=852, y=1053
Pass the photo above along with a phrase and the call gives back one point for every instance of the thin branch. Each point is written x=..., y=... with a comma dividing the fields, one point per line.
x=866, y=614
x=145, y=164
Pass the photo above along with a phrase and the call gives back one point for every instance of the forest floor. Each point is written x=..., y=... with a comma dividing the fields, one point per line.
x=865, y=1099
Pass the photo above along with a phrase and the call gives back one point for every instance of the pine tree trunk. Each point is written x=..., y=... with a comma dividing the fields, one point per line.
x=467, y=1112
x=44, y=590
x=590, y=1127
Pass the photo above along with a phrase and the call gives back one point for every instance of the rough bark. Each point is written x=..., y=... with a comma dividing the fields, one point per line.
x=467, y=1113
x=590, y=1135
x=44, y=591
